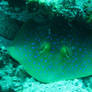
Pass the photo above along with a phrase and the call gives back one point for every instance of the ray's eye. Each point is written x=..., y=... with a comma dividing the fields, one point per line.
x=45, y=47
x=66, y=52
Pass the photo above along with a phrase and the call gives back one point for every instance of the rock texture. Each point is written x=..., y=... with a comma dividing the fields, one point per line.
x=8, y=27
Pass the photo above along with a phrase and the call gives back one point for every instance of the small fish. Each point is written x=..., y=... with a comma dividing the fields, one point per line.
x=46, y=58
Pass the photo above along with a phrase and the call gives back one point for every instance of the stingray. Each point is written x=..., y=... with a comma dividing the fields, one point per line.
x=49, y=55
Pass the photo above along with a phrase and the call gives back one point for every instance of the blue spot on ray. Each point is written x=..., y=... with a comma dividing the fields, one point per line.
x=33, y=47
x=35, y=56
x=45, y=60
x=80, y=49
x=26, y=55
x=30, y=50
x=20, y=48
x=33, y=43
x=29, y=60
x=30, y=54
x=34, y=62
